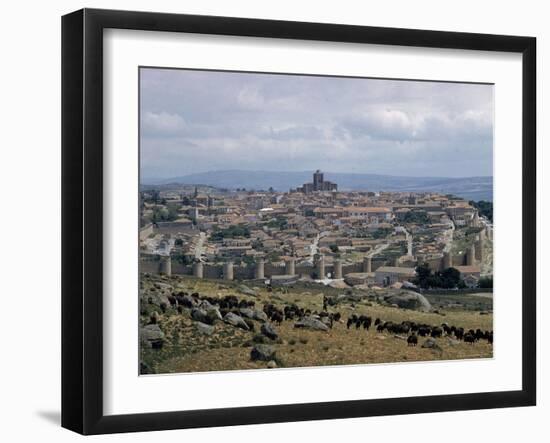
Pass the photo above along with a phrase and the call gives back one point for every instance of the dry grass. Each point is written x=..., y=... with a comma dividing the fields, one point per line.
x=229, y=348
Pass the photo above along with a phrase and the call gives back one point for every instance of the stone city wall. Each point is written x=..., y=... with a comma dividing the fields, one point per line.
x=154, y=264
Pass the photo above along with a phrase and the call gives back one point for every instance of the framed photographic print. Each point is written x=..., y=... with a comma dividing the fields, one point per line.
x=269, y=221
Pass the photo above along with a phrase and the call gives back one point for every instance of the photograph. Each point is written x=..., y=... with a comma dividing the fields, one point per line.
x=292, y=220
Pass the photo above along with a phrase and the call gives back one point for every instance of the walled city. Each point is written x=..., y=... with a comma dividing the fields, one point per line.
x=337, y=256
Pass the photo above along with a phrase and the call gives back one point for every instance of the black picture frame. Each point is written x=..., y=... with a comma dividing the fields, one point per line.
x=82, y=215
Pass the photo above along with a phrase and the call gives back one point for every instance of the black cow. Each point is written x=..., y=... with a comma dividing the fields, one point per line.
x=423, y=331
x=469, y=338
x=352, y=321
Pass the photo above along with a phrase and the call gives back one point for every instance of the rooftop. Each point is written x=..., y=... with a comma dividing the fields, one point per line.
x=396, y=270
x=367, y=209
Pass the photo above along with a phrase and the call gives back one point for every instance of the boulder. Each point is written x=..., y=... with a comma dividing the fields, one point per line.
x=260, y=316
x=311, y=323
x=235, y=320
x=409, y=300
x=262, y=353
x=164, y=286
x=269, y=331
x=156, y=299
x=408, y=285
x=350, y=297
x=243, y=289
x=213, y=314
x=198, y=314
x=205, y=305
x=271, y=364
x=247, y=313
x=338, y=284
x=430, y=343
x=204, y=329
x=152, y=336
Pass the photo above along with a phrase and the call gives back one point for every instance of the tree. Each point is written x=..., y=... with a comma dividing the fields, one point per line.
x=278, y=222
x=485, y=208
x=423, y=275
x=381, y=233
x=486, y=282
x=448, y=278
x=172, y=213
x=417, y=217
x=231, y=232
x=249, y=260
x=182, y=258
x=155, y=195
x=334, y=248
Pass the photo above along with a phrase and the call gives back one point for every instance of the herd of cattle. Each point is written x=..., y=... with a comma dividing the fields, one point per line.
x=420, y=329
x=230, y=304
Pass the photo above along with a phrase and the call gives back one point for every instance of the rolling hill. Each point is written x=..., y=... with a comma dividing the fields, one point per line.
x=473, y=188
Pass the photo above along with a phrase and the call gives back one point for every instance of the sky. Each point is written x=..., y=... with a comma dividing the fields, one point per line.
x=200, y=121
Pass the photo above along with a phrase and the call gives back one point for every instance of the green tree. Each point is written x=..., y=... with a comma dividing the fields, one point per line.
x=423, y=275
x=486, y=282
x=449, y=278
x=417, y=217
x=279, y=223
x=182, y=258
x=249, y=260
x=484, y=207
x=232, y=231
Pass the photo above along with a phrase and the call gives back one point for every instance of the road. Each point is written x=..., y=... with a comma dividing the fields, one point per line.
x=314, y=247
x=378, y=249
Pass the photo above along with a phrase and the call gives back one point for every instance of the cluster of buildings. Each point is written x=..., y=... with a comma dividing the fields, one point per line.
x=319, y=184
x=324, y=232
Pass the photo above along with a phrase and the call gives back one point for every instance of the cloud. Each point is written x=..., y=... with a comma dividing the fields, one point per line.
x=195, y=121
x=162, y=124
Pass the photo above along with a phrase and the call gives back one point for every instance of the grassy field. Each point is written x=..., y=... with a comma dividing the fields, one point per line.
x=228, y=347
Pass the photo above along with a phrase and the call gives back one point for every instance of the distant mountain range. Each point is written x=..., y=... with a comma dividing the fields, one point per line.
x=471, y=188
